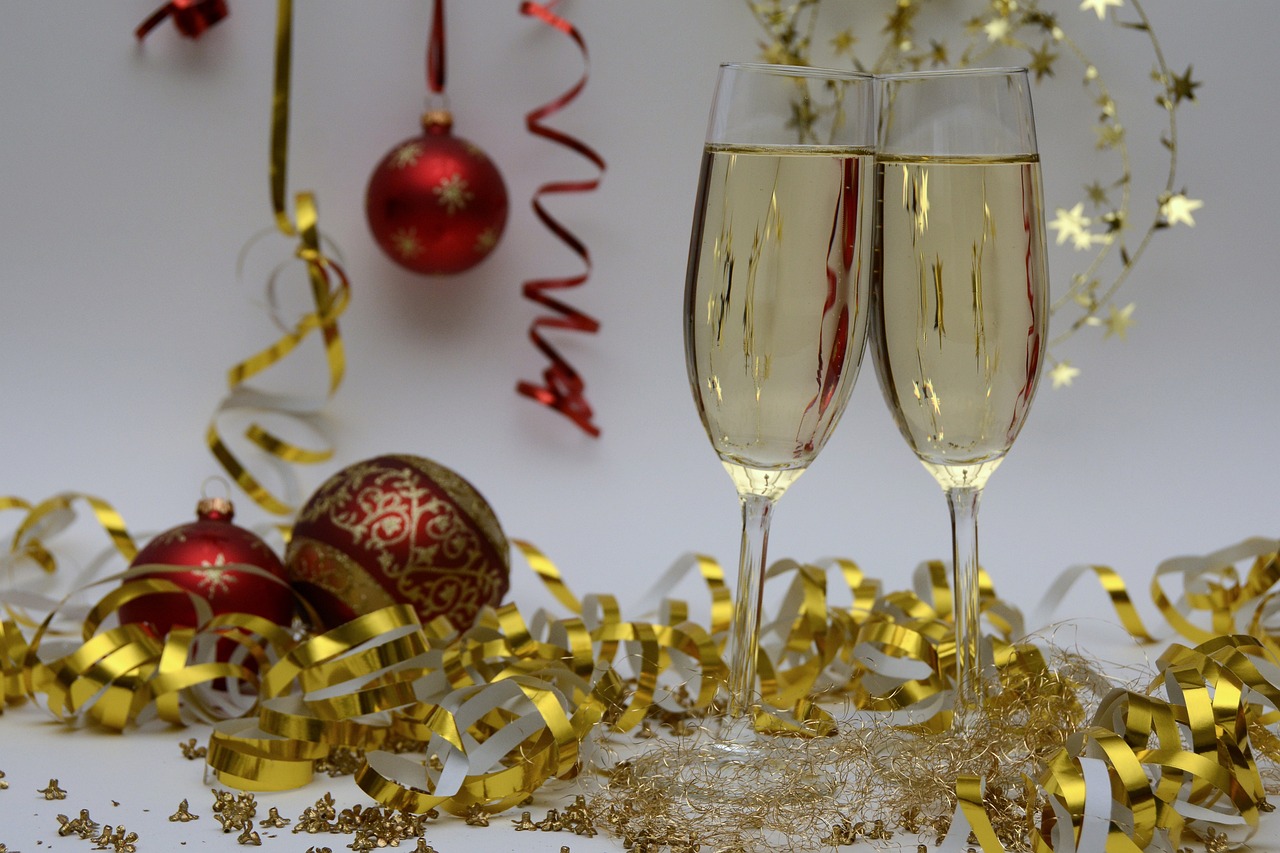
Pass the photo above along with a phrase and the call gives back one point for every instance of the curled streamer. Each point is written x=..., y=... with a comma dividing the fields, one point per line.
x=330, y=293
x=191, y=17
x=479, y=720
x=563, y=388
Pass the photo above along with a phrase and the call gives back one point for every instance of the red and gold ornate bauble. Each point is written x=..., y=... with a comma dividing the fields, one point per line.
x=436, y=204
x=216, y=552
x=398, y=529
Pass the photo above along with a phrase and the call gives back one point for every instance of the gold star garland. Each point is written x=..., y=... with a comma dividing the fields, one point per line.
x=1043, y=40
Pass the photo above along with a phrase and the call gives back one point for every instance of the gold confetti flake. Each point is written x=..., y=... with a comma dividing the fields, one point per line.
x=273, y=819
x=183, y=814
x=191, y=751
x=52, y=791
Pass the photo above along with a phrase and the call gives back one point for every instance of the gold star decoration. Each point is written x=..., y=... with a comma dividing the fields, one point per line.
x=1041, y=61
x=997, y=29
x=1072, y=225
x=1062, y=373
x=1110, y=134
x=452, y=193
x=937, y=53
x=1118, y=321
x=900, y=23
x=1178, y=208
x=3, y=784
x=843, y=42
x=1183, y=88
x=1096, y=193
x=791, y=26
x=1100, y=6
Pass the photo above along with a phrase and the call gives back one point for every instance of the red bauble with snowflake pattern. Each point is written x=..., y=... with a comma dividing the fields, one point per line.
x=436, y=204
x=209, y=557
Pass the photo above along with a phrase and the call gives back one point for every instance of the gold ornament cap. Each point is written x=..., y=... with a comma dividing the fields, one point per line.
x=437, y=121
x=215, y=509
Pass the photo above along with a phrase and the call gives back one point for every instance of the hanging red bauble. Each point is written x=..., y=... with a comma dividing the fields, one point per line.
x=398, y=529
x=436, y=203
x=216, y=552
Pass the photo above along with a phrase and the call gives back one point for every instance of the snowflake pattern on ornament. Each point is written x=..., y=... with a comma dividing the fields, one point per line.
x=406, y=242
x=213, y=578
x=453, y=194
x=407, y=155
x=486, y=241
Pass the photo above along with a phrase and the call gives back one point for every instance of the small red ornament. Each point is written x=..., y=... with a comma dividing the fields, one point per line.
x=398, y=529
x=436, y=204
x=211, y=546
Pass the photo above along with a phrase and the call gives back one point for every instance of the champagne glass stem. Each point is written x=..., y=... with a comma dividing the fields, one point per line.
x=963, y=503
x=744, y=633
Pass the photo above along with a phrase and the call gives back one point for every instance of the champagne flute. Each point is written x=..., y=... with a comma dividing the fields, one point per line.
x=776, y=297
x=959, y=296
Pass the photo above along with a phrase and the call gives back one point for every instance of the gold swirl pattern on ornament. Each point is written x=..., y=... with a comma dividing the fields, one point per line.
x=480, y=719
x=428, y=531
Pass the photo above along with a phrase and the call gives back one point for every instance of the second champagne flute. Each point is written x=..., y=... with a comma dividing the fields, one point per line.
x=959, y=296
x=776, y=297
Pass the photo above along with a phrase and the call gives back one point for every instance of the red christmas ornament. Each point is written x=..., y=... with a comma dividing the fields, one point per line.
x=211, y=546
x=398, y=530
x=436, y=204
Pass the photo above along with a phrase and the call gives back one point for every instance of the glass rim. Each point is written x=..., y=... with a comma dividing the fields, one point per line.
x=984, y=71
x=810, y=71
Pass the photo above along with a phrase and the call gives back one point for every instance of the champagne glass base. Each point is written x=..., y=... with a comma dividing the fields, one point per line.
x=729, y=762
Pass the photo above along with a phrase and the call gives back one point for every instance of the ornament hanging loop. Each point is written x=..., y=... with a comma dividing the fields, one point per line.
x=436, y=115
x=435, y=50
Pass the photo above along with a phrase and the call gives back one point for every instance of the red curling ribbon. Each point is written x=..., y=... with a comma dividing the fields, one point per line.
x=191, y=17
x=563, y=388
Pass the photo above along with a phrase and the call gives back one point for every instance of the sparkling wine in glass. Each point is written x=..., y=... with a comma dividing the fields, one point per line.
x=959, y=296
x=776, y=297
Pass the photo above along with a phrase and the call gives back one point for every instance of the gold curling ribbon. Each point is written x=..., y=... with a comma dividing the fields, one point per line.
x=1179, y=758
x=330, y=293
x=1213, y=692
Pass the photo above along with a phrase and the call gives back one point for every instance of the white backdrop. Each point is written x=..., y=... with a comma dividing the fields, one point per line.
x=133, y=177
